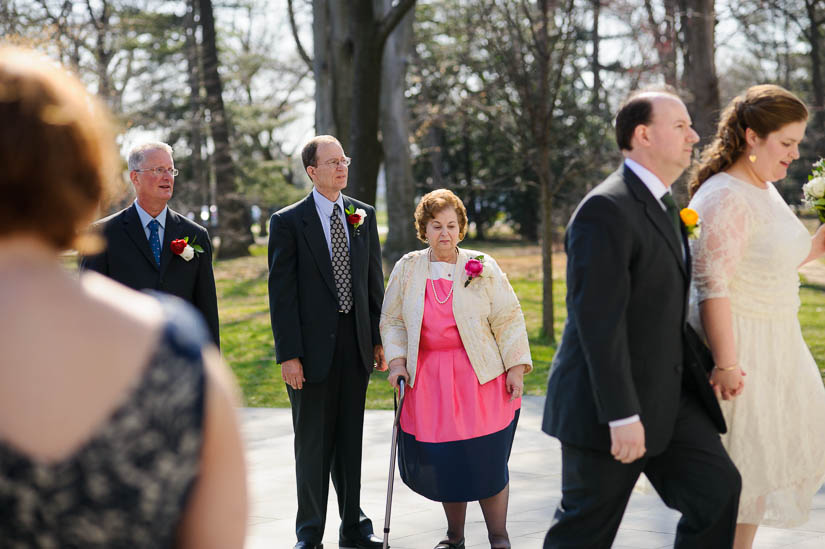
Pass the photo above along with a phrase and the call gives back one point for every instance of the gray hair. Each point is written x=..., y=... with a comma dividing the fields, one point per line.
x=138, y=153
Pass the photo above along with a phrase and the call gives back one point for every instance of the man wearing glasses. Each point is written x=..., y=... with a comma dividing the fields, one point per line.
x=326, y=286
x=141, y=249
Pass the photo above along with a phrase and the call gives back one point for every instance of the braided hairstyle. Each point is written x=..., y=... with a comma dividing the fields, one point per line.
x=764, y=109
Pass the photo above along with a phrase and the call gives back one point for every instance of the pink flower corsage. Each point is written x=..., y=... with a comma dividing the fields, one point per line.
x=474, y=267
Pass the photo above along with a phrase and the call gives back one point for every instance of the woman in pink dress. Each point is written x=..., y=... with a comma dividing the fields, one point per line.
x=452, y=326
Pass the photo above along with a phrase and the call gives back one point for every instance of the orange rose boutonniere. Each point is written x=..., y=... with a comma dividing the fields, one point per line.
x=692, y=222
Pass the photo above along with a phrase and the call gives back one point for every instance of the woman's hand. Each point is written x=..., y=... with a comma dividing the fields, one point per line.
x=727, y=384
x=515, y=381
x=398, y=368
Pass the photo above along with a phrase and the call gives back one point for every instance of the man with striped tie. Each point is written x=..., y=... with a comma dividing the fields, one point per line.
x=144, y=243
x=326, y=286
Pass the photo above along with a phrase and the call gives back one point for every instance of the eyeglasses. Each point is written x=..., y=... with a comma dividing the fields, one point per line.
x=160, y=171
x=338, y=162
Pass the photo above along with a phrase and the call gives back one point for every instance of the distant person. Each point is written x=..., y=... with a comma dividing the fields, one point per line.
x=117, y=417
x=626, y=395
x=745, y=299
x=150, y=246
x=452, y=327
x=325, y=290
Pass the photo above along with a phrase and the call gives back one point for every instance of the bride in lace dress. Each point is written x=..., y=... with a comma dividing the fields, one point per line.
x=745, y=299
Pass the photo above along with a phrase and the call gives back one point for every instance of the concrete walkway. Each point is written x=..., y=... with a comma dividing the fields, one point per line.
x=418, y=523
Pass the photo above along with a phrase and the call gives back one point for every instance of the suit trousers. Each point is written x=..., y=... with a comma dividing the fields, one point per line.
x=328, y=419
x=694, y=475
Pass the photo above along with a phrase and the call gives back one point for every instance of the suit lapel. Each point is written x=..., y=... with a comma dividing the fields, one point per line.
x=170, y=232
x=133, y=228
x=314, y=235
x=656, y=215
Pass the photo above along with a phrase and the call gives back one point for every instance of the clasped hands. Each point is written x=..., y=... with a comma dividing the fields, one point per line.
x=292, y=371
x=727, y=384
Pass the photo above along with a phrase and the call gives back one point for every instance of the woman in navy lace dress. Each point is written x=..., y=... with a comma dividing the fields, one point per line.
x=117, y=420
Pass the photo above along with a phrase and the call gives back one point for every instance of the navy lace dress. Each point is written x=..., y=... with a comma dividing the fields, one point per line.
x=129, y=484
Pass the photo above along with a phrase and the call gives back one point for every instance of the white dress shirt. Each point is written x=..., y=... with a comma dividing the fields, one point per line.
x=145, y=219
x=324, y=207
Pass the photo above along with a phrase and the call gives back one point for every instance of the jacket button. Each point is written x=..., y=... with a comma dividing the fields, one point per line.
x=678, y=368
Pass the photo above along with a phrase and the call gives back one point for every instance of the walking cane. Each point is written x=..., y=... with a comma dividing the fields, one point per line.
x=393, y=445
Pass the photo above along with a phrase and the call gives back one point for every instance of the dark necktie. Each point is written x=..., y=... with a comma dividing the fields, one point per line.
x=154, y=239
x=340, y=261
x=673, y=213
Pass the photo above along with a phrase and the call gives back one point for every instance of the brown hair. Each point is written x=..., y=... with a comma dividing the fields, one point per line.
x=637, y=110
x=434, y=202
x=309, y=150
x=765, y=109
x=57, y=150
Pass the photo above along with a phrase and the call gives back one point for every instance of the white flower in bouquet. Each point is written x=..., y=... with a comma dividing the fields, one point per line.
x=815, y=188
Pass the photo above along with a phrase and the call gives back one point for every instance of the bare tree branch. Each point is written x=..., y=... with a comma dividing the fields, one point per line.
x=391, y=20
x=301, y=51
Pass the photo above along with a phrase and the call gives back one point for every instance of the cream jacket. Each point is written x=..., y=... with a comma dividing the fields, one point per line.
x=487, y=314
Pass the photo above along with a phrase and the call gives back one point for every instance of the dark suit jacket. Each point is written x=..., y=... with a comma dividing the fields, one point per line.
x=303, y=299
x=624, y=350
x=128, y=259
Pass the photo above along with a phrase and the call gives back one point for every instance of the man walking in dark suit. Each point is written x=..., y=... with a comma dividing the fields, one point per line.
x=141, y=249
x=626, y=393
x=326, y=286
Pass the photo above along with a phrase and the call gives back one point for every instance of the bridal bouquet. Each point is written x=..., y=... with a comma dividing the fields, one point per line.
x=814, y=189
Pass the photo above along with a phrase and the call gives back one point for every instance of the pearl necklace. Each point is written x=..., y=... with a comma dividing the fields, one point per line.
x=432, y=282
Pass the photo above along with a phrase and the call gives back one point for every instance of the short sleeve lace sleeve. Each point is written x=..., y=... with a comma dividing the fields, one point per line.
x=725, y=228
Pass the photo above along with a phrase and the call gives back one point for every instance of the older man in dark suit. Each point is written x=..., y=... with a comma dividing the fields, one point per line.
x=626, y=393
x=144, y=243
x=326, y=286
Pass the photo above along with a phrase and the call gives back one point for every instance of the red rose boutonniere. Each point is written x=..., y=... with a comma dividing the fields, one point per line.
x=355, y=218
x=474, y=267
x=182, y=248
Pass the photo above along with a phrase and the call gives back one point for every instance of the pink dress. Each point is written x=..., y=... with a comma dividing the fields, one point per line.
x=456, y=434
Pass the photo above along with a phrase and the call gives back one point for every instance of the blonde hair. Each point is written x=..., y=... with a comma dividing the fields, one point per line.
x=764, y=109
x=434, y=202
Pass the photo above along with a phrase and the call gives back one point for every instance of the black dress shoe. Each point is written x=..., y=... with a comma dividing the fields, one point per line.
x=447, y=544
x=370, y=541
x=308, y=545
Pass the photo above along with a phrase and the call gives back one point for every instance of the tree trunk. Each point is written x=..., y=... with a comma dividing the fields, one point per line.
x=366, y=150
x=199, y=174
x=234, y=219
x=396, y=141
x=698, y=23
x=547, y=309
x=596, y=98
x=354, y=41
x=817, y=83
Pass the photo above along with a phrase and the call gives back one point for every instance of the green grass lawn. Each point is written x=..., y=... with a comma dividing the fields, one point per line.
x=246, y=337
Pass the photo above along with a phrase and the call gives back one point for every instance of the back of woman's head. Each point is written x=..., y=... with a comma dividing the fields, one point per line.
x=57, y=154
x=764, y=109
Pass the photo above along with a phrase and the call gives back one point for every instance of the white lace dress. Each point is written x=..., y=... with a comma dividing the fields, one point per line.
x=750, y=246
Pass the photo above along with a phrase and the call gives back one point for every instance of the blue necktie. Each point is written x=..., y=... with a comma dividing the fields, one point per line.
x=154, y=239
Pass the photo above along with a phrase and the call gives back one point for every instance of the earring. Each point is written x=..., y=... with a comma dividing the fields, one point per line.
x=752, y=158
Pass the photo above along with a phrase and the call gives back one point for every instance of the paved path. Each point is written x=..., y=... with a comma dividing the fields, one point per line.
x=418, y=523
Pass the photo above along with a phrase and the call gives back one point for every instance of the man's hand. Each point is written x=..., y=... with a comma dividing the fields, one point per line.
x=293, y=373
x=627, y=442
x=378, y=358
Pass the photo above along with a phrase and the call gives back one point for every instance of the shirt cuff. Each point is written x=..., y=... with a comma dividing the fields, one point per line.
x=625, y=421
